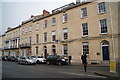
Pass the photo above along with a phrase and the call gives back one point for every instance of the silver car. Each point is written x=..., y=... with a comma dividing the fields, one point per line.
x=39, y=59
x=26, y=60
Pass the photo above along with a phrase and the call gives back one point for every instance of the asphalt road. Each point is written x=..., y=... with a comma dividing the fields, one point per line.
x=14, y=70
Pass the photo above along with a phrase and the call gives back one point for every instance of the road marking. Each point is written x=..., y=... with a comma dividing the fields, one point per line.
x=84, y=75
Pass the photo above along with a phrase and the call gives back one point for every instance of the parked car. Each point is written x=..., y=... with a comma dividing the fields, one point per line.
x=26, y=60
x=4, y=58
x=39, y=59
x=10, y=58
x=56, y=59
x=16, y=58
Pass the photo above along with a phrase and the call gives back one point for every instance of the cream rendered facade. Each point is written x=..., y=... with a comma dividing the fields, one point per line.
x=75, y=37
x=97, y=42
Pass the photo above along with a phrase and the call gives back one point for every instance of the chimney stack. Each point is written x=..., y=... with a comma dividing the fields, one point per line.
x=9, y=28
x=45, y=13
x=32, y=16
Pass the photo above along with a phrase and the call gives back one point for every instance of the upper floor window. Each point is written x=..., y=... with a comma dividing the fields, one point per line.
x=103, y=26
x=65, y=33
x=102, y=8
x=22, y=30
x=85, y=48
x=53, y=21
x=45, y=23
x=45, y=37
x=37, y=38
x=64, y=18
x=53, y=36
x=83, y=12
x=30, y=28
x=26, y=29
x=36, y=49
x=37, y=26
x=85, y=29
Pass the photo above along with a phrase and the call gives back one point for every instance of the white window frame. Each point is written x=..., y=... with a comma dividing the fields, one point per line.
x=88, y=47
x=63, y=50
x=65, y=30
x=37, y=26
x=82, y=12
x=44, y=37
x=100, y=26
x=53, y=24
x=64, y=19
x=53, y=33
x=45, y=23
x=82, y=30
x=30, y=28
x=26, y=29
x=22, y=30
x=102, y=11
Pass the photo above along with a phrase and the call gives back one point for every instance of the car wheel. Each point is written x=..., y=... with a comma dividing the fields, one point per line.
x=48, y=63
x=59, y=63
x=26, y=63
x=18, y=62
x=38, y=61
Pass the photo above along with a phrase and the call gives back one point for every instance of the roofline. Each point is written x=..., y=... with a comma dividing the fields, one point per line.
x=13, y=28
x=64, y=10
x=74, y=6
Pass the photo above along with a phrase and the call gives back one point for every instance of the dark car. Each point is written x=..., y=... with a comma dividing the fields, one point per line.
x=4, y=58
x=16, y=58
x=56, y=59
x=11, y=58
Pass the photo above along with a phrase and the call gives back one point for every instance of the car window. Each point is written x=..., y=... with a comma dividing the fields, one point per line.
x=29, y=57
x=40, y=56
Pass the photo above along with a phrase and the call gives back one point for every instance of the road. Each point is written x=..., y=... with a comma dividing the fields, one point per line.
x=14, y=70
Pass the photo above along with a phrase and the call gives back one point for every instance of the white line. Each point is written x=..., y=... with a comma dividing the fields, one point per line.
x=84, y=75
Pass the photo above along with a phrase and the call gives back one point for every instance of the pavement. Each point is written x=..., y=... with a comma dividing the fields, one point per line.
x=101, y=73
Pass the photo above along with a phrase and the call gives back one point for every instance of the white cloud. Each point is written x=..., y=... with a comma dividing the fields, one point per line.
x=38, y=0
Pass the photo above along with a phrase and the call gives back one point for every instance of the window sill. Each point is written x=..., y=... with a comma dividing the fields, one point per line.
x=64, y=22
x=84, y=35
x=83, y=17
x=103, y=33
x=53, y=24
x=101, y=13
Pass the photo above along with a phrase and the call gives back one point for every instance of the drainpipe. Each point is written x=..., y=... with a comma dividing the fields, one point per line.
x=113, y=60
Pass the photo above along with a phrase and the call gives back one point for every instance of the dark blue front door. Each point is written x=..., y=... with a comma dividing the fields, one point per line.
x=105, y=51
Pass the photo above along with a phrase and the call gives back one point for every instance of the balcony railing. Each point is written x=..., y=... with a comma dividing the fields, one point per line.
x=25, y=45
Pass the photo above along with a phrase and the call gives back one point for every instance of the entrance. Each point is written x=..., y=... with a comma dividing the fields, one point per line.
x=105, y=50
x=45, y=51
x=53, y=49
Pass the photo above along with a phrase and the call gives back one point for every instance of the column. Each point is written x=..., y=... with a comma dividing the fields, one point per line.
x=17, y=42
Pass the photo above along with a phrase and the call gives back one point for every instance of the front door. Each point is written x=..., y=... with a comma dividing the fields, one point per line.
x=105, y=51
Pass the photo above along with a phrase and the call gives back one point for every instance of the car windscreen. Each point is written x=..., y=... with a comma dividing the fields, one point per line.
x=40, y=56
x=29, y=57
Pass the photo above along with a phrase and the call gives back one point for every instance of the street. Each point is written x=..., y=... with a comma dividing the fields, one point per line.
x=14, y=70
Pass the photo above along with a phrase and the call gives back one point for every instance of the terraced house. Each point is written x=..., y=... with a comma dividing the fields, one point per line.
x=71, y=30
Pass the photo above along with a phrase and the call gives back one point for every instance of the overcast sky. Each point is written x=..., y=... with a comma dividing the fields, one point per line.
x=13, y=12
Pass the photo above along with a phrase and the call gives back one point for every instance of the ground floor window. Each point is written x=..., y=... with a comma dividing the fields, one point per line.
x=36, y=50
x=53, y=49
x=85, y=48
x=65, y=49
